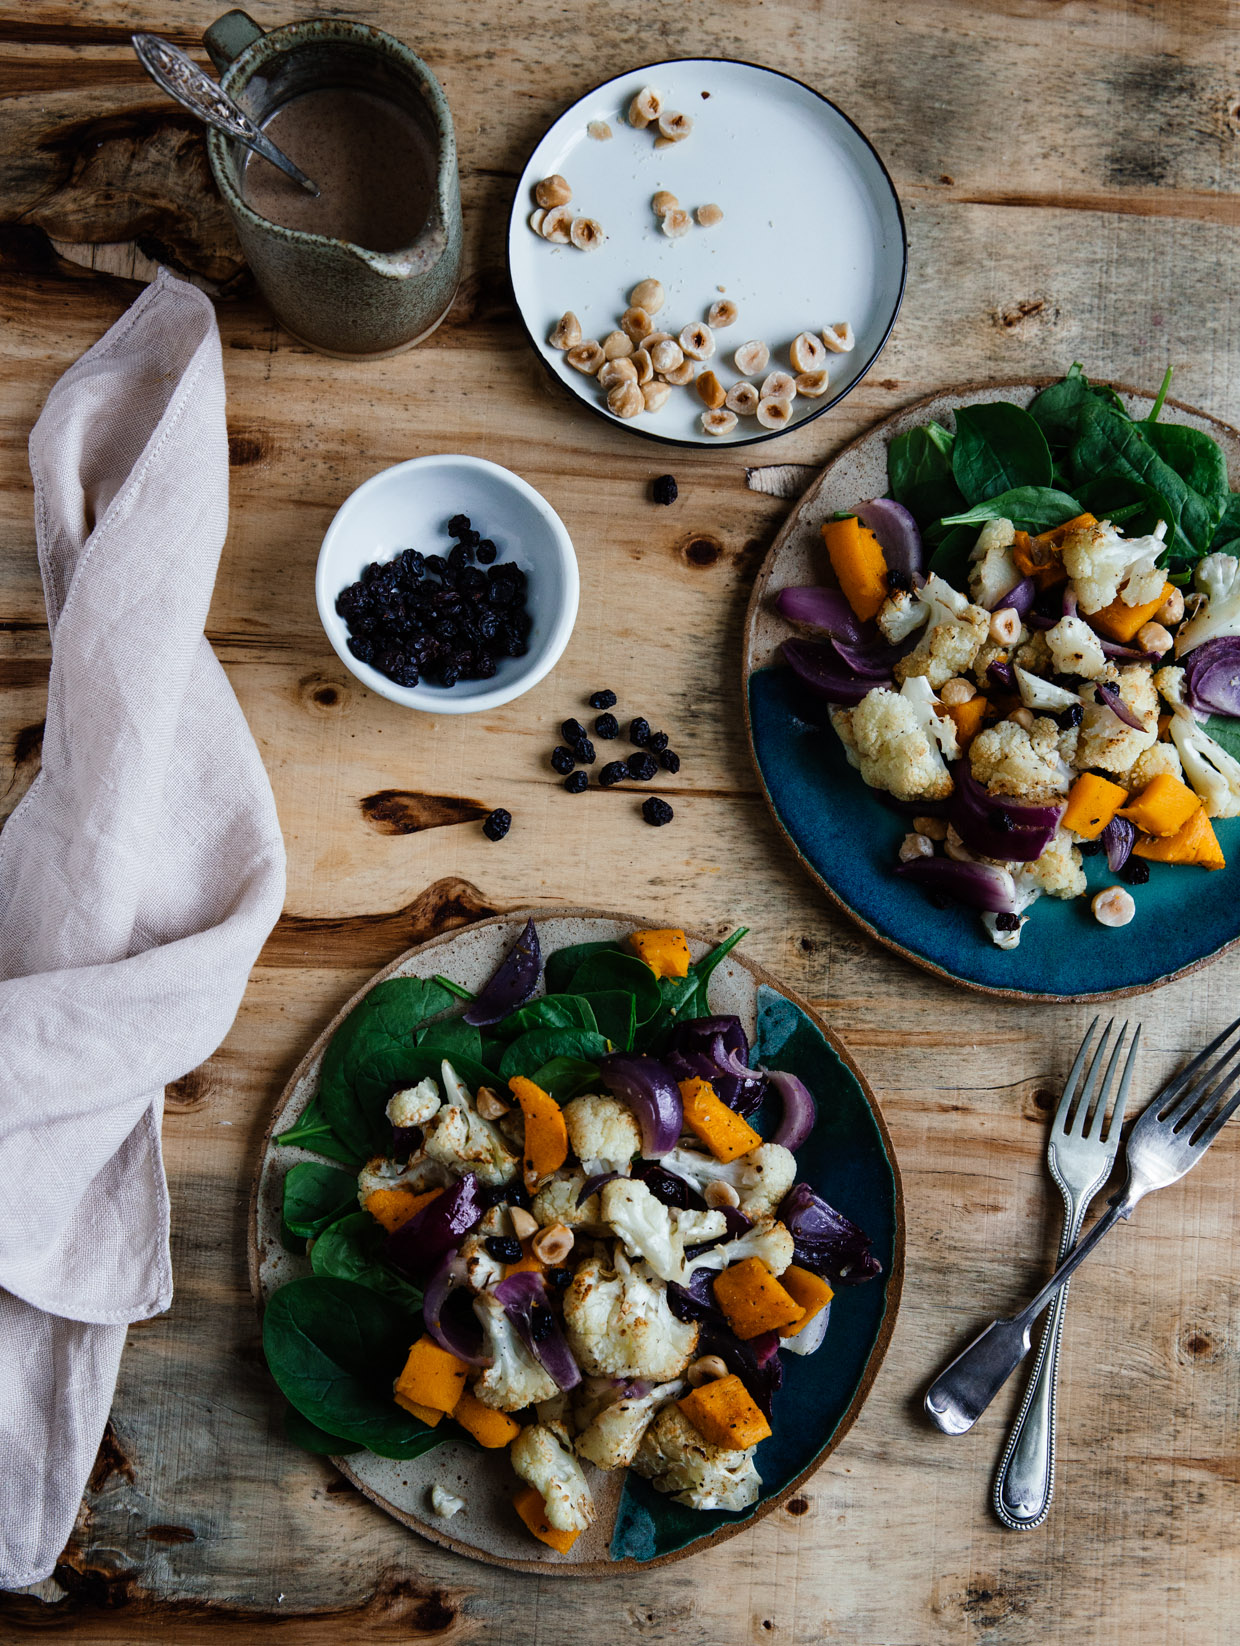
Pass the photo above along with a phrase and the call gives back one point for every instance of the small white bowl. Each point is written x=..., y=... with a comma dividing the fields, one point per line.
x=408, y=507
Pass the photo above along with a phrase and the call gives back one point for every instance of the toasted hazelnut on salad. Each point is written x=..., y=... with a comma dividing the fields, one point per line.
x=1113, y=907
x=915, y=845
x=524, y=1224
x=1005, y=626
x=707, y=1369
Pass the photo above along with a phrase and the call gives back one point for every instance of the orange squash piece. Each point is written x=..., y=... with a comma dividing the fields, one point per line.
x=708, y=1117
x=811, y=1291
x=1120, y=622
x=858, y=563
x=1056, y=535
x=428, y=1414
x=666, y=952
x=968, y=717
x=1038, y=558
x=1195, y=843
x=489, y=1428
x=546, y=1135
x=724, y=1413
x=533, y=1511
x=754, y=1301
x=1092, y=803
x=1163, y=806
x=392, y=1207
x=431, y=1377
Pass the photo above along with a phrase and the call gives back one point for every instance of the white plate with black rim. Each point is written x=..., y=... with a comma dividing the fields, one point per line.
x=811, y=233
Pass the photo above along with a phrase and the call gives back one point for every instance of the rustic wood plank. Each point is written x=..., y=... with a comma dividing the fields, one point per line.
x=1066, y=172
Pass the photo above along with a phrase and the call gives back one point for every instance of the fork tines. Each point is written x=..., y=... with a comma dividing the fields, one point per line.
x=1090, y=1111
x=1208, y=1102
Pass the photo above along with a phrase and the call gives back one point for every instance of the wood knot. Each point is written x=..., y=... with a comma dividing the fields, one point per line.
x=246, y=447
x=321, y=694
x=169, y=1534
x=399, y=811
x=702, y=550
x=797, y=1505
x=1197, y=1347
x=1030, y=310
x=192, y=1091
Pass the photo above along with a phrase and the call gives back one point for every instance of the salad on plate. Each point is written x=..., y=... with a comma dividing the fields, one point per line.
x=1032, y=647
x=556, y=1230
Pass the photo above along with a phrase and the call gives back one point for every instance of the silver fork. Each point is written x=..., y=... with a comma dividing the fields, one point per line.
x=1080, y=1158
x=1168, y=1140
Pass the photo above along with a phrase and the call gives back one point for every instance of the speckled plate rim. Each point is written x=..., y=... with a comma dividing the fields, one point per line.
x=520, y=208
x=894, y=1280
x=917, y=411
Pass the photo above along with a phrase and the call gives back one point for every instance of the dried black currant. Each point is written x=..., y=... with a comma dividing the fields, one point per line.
x=615, y=771
x=606, y=726
x=562, y=760
x=657, y=742
x=657, y=812
x=642, y=766
x=458, y=525
x=664, y=489
x=639, y=731
x=577, y=782
x=572, y=731
x=504, y=1248
x=1135, y=872
x=603, y=700
x=669, y=760
x=498, y=824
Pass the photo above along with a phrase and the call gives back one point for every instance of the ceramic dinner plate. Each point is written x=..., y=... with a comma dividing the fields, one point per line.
x=811, y=234
x=848, y=1157
x=847, y=838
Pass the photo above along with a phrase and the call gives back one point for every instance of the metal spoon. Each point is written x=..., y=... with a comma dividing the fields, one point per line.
x=192, y=87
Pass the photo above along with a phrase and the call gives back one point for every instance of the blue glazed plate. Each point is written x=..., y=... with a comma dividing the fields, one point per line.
x=848, y=1158
x=847, y=838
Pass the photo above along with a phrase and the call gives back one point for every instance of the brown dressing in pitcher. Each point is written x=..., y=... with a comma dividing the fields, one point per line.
x=374, y=166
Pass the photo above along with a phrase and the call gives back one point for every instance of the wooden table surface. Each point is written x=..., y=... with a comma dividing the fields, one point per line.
x=1067, y=170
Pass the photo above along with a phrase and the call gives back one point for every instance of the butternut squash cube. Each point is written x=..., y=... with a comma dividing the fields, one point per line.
x=811, y=1291
x=392, y=1207
x=1196, y=843
x=859, y=564
x=666, y=952
x=489, y=1428
x=1092, y=803
x=546, y=1135
x=1163, y=806
x=1120, y=622
x=725, y=1133
x=432, y=1377
x=533, y=1511
x=428, y=1414
x=968, y=718
x=754, y=1301
x=724, y=1413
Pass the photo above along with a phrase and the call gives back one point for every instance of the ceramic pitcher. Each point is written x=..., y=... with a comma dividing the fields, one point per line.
x=342, y=299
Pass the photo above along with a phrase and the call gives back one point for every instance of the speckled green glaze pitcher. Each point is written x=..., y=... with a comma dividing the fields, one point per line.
x=342, y=299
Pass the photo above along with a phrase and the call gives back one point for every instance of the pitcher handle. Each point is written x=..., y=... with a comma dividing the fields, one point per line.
x=229, y=36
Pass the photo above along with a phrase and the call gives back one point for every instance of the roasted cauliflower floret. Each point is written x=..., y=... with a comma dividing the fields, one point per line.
x=1211, y=771
x=768, y=1240
x=481, y=1269
x=1105, y=741
x=1218, y=578
x=556, y=1202
x=954, y=633
x=1026, y=765
x=1058, y=871
x=1159, y=760
x=993, y=573
x=603, y=1132
x=654, y=1231
x=618, y=1323
x=551, y=1469
x=761, y=1178
x=994, y=651
x=611, y=1438
x=674, y=1456
x=514, y=1378
x=1103, y=566
x=415, y=1105
x=1033, y=653
x=1075, y=648
x=898, y=743
x=461, y=1140
x=901, y=613
x=416, y=1174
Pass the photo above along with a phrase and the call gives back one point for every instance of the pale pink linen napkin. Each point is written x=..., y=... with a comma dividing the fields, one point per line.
x=138, y=880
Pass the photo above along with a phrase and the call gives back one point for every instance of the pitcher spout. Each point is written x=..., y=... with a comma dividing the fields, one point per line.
x=407, y=261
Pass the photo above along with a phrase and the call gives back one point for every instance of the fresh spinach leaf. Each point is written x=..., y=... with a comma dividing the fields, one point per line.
x=311, y=1438
x=1226, y=539
x=529, y=1052
x=312, y=1132
x=565, y=1077
x=919, y=472
x=316, y=1195
x=1057, y=410
x=950, y=560
x=686, y=997
x=334, y=1349
x=559, y=967
x=615, y=1015
x=452, y=1037
x=553, y=1011
x=999, y=449
x=603, y=973
x=1110, y=445
x=371, y=1054
x=1196, y=458
x=352, y=1250
x=1225, y=731
x=1029, y=508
